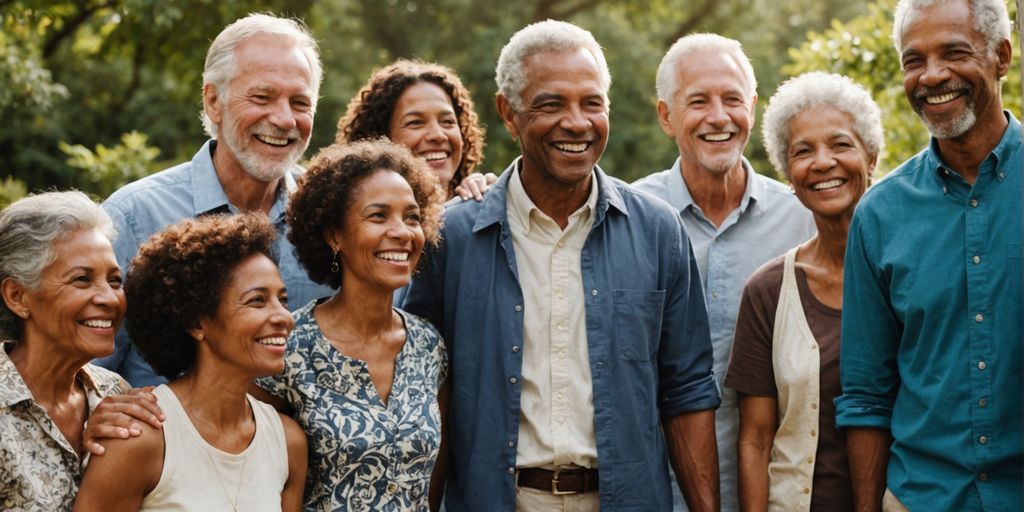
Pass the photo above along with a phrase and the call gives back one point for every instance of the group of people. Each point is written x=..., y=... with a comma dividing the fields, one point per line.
x=352, y=336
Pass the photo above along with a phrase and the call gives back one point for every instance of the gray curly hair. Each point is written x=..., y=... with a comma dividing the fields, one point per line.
x=221, y=62
x=29, y=228
x=989, y=17
x=667, y=82
x=543, y=36
x=814, y=90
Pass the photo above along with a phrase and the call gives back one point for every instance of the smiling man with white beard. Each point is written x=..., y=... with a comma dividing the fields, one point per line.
x=260, y=87
x=737, y=219
x=931, y=340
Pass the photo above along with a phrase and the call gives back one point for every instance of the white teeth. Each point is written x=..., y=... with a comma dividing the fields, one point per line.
x=274, y=141
x=827, y=184
x=716, y=137
x=935, y=100
x=434, y=155
x=572, y=148
x=394, y=256
x=102, y=324
x=276, y=341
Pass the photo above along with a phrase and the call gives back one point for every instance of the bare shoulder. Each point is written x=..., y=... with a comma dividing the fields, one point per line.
x=294, y=436
x=146, y=447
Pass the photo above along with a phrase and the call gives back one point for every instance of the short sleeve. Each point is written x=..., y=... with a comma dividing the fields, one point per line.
x=751, y=370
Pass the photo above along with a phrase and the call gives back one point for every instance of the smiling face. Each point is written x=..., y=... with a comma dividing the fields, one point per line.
x=381, y=240
x=252, y=319
x=950, y=78
x=711, y=115
x=827, y=163
x=79, y=303
x=563, y=129
x=265, y=116
x=425, y=122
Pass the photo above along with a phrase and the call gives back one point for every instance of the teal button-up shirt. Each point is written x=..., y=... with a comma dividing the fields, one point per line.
x=931, y=329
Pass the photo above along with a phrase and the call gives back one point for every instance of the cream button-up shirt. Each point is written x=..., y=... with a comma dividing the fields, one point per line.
x=556, y=419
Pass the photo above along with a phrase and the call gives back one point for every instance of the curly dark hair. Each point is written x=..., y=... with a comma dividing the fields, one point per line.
x=370, y=110
x=331, y=183
x=178, y=277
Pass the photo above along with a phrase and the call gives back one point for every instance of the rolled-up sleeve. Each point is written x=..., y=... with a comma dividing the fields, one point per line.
x=870, y=335
x=686, y=379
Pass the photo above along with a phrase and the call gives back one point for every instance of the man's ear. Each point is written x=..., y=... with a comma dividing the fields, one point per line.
x=507, y=113
x=663, y=118
x=1004, y=52
x=213, y=105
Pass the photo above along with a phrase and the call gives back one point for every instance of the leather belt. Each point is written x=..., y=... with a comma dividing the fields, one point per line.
x=559, y=481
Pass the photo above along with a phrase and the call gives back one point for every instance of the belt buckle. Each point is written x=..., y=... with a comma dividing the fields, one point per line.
x=554, y=485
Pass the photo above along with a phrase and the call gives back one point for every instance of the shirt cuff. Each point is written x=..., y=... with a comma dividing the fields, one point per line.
x=695, y=396
x=861, y=411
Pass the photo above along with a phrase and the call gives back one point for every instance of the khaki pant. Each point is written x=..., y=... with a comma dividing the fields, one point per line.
x=536, y=500
x=890, y=503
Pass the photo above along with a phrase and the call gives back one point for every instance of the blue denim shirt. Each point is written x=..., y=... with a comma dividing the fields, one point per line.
x=191, y=189
x=931, y=329
x=647, y=335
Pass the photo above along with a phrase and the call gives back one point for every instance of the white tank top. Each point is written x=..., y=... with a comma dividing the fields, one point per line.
x=198, y=477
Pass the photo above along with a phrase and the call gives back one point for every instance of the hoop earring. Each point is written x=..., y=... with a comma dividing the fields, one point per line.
x=334, y=263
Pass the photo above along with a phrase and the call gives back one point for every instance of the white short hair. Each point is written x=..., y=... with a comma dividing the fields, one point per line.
x=221, y=62
x=816, y=90
x=30, y=227
x=667, y=83
x=990, y=19
x=543, y=36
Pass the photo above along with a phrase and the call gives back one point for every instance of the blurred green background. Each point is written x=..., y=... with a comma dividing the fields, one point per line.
x=97, y=93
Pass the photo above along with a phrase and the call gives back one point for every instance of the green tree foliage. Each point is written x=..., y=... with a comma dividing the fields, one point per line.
x=862, y=49
x=11, y=190
x=106, y=169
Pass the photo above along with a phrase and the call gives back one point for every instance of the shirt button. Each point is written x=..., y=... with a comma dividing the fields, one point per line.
x=715, y=295
x=518, y=307
x=976, y=259
x=515, y=348
x=1002, y=175
x=983, y=440
x=945, y=190
x=807, y=491
x=982, y=402
x=561, y=293
x=814, y=405
x=513, y=380
x=983, y=477
x=511, y=444
x=511, y=470
x=813, y=433
x=982, y=365
x=561, y=243
x=594, y=292
x=979, y=318
x=392, y=487
x=559, y=395
x=974, y=203
x=810, y=460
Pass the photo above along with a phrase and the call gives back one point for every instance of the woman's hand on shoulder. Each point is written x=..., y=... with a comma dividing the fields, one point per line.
x=121, y=417
x=474, y=185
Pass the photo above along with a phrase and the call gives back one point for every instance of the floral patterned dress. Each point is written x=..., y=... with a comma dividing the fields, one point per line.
x=364, y=454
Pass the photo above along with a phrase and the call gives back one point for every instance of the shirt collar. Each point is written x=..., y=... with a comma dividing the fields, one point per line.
x=493, y=210
x=680, y=198
x=13, y=389
x=1009, y=144
x=523, y=208
x=208, y=194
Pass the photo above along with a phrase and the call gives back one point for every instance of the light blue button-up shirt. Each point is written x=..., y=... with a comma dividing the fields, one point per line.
x=931, y=329
x=769, y=221
x=189, y=190
x=647, y=339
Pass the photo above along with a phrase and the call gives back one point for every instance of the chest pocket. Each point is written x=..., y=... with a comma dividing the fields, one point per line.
x=638, y=322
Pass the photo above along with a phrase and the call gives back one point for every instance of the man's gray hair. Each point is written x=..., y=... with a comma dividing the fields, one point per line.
x=667, y=83
x=543, y=36
x=815, y=90
x=29, y=228
x=990, y=19
x=221, y=62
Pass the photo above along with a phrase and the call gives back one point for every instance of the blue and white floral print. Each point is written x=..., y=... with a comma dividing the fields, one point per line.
x=364, y=454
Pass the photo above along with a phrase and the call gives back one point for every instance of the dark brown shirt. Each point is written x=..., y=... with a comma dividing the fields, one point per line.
x=751, y=372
